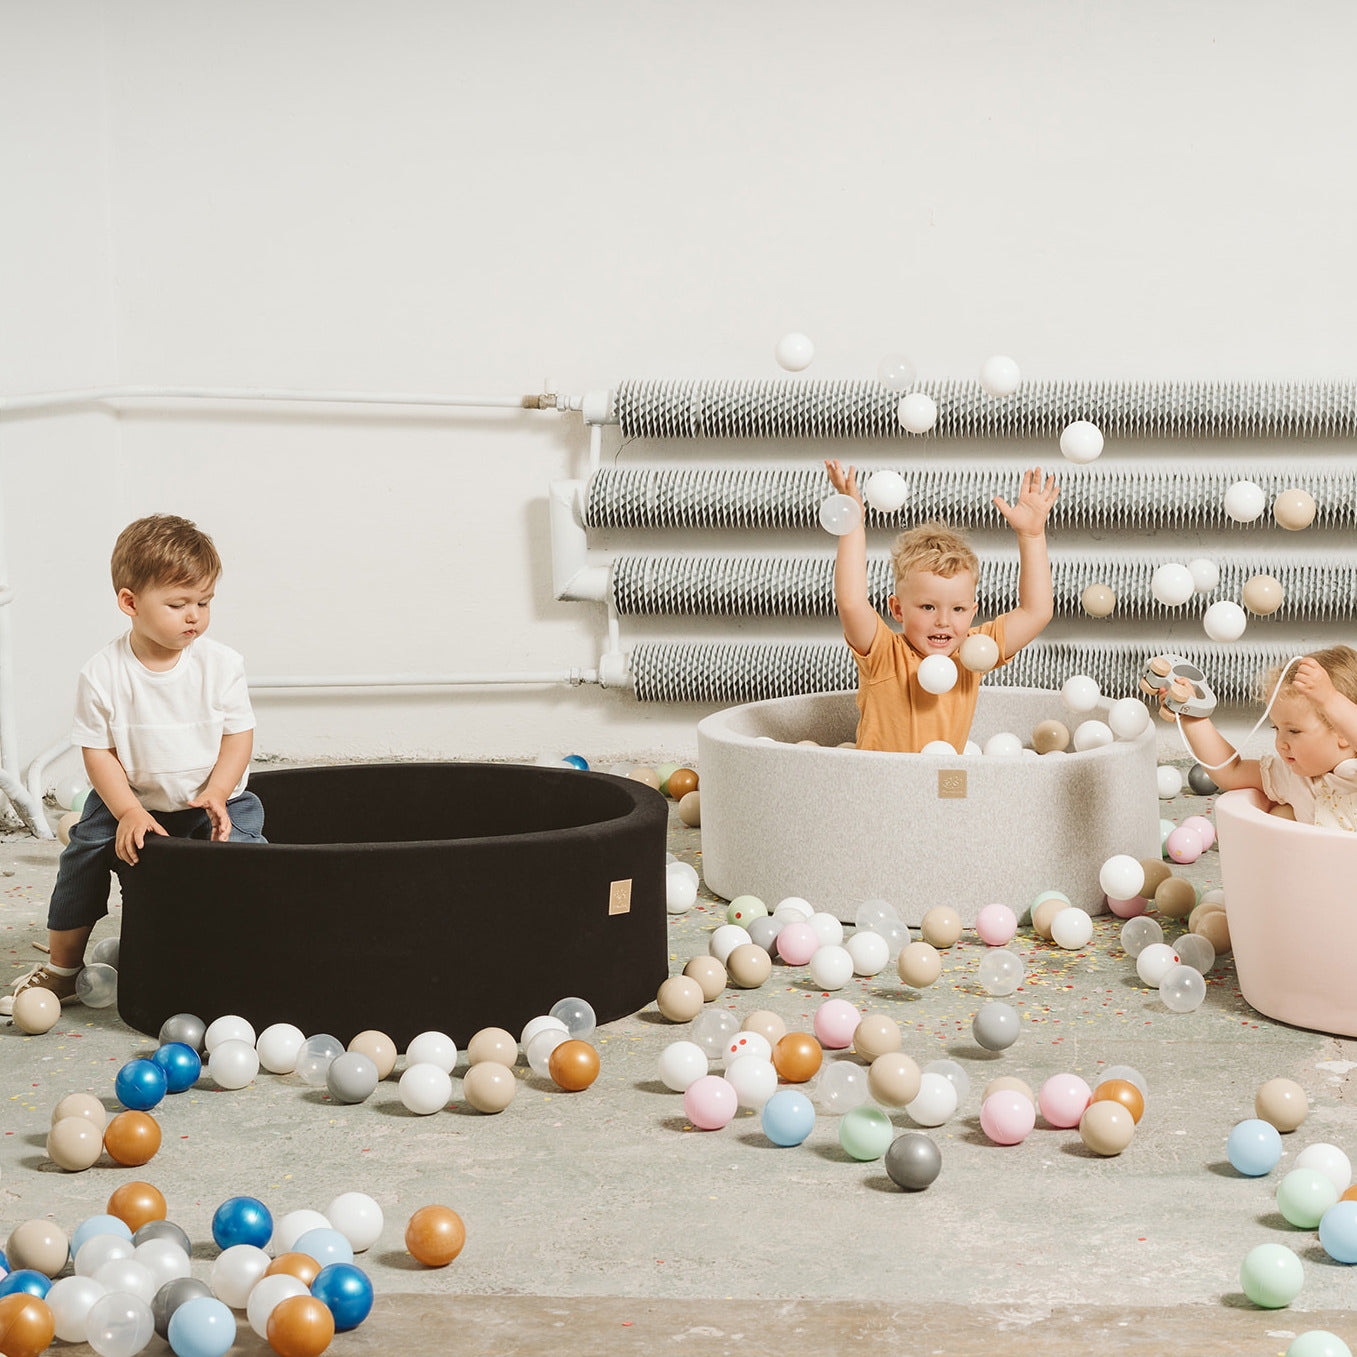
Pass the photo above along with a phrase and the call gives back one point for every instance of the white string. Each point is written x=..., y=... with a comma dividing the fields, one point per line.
x=1212, y=767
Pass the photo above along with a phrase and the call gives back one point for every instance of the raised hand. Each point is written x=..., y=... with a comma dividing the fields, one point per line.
x=1028, y=516
x=844, y=482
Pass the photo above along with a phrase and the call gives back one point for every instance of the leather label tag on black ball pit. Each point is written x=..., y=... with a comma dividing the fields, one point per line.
x=619, y=897
x=952, y=782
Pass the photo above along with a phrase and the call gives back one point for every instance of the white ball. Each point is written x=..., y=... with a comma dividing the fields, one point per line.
x=999, y=375
x=937, y=674
x=163, y=1259
x=743, y=1044
x=538, y=1024
x=1205, y=574
x=267, y=1295
x=358, y=1218
x=726, y=939
x=1328, y=1160
x=229, y=1027
x=1224, y=621
x=233, y=1064
x=1128, y=717
x=126, y=1274
x=1169, y=780
x=886, y=491
x=69, y=1300
x=935, y=1101
x=1092, y=735
x=794, y=351
x=235, y=1271
x=288, y=1230
x=754, y=1080
x=432, y=1048
x=540, y=1049
x=680, y=892
x=1245, y=501
x=425, y=1089
x=676, y=868
x=682, y=1063
x=831, y=967
x=1155, y=962
x=870, y=952
x=279, y=1046
x=917, y=412
x=827, y=928
x=793, y=908
x=940, y=748
x=840, y=514
x=1071, y=929
x=971, y=747
x=896, y=372
x=1003, y=745
x=1081, y=441
x=1080, y=693
x=1121, y=877
x=1172, y=584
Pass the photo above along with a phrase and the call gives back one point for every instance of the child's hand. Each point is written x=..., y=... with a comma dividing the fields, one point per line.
x=1312, y=679
x=215, y=806
x=844, y=482
x=1028, y=516
x=132, y=831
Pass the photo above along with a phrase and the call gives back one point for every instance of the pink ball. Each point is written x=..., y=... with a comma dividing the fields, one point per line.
x=1203, y=826
x=1128, y=909
x=1063, y=1098
x=1006, y=1117
x=710, y=1102
x=835, y=1022
x=797, y=943
x=996, y=925
x=1184, y=844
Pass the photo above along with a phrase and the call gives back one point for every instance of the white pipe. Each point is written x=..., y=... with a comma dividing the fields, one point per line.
x=574, y=677
x=52, y=400
x=573, y=579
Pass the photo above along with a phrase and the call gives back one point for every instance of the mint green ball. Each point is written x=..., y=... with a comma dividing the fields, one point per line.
x=1304, y=1195
x=1271, y=1276
x=743, y=908
x=662, y=771
x=1318, y=1343
x=866, y=1132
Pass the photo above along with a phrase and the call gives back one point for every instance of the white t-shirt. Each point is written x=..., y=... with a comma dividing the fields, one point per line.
x=165, y=727
x=1329, y=800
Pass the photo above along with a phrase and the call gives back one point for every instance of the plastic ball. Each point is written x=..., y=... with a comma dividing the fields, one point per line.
x=797, y=943
x=132, y=1138
x=1263, y=595
x=242, y=1220
x=181, y=1063
x=1182, y=989
x=540, y=1048
x=1195, y=951
x=745, y=1044
x=710, y=1102
x=886, y=492
x=1294, y=509
x=842, y=1086
x=744, y=909
x=1330, y=1161
x=1127, y=909
x=70, y=1300
x=92, y=1227
x=300, y=1326
x=1121, y=1091
x=39, y=1245
x=1000, y=972
x=36, y=1010
x=690, y=809
x=1049, y=737
x=831, y=967
x=913, y=1161
x=840, y=514
x=1224, y=620
x=74, y=1144
x=939, y=749
x=185, y=1027
x=1007, y=1117
x=346, y=1292
x=1304, y=1195
x=681, y=1063
x=996, y=1025
x=84, y=1105
x=1184, y=845
x=713, y=1029
x=865, y=1133
x=1205, y=574
x=793, y=909
x=71, y=792
x=25, y=1281
x=1337, y=1232
x=1080, y=693
x=955, y=1074
x=1172, y=584
x=26, y=1325
x=166, y=1230
x=754, y=1080
x=435, y=1235
x=835, y=1022
x=679, y=999
x=492, y=1044
x=1092, y=735
x=140, y=1085
x=725, y=939
x=1004, y=744
x=1081, y=442
x=315, y=1057
x=96, y=985
x=1155, y=961
x=325, y=1244
x=1318, y=1343
x=202, y=1326
x=1071, y=929
x=1062, y=1100
x=876, y=1035
x=432, y=1048
x=1271, y=1276
x=894, y=1079
x=935, y=1101
x=917, y=412
x=574, y=1065
x=937, y=674
x=940, y=926
x=869, y=952
x=136, y=1203
x=279, y=1046
x=489, y=1087
x=299, y=1265
x=787, y=1117
x=749, y=965
x=895, y=372
x=1106, y=1128
x=1168, y=781
x=999, y=376
x=351, y=1078
x=229, y=1027
x=233, y=1064
x=1098, y=600
x=919, y=965
x=1203, y=826
x=164, y=1259
x=290, y=1229
x=1245, y=501
x=680, y=782
x=269, y=1292
x=1283, y=1103
x=1128, y=717
x=794, y=351
x=424, y=1089
x=978, y=653
x=996, y=924
x=680, y=892
x=797, y=1057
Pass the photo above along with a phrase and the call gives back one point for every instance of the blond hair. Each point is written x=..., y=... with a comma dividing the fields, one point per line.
x=934, y=548
x=163, y=550
x=1339, y=662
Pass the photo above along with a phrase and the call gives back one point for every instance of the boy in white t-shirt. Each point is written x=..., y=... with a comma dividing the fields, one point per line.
x=164, y=719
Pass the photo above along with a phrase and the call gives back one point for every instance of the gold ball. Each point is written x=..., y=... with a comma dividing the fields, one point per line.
x=941, y=926
x=1294, y=509
x=1263, y=595
x=1049, y=736
x=1098, y=600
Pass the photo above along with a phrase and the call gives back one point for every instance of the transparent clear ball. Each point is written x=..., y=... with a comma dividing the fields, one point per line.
x=1000, y=971
x=578, y=1016
x=316, y=1056
x=1182, y=989
x=96, y=986
x=712, y=1030
x=842, y=1086
x=1139, y=933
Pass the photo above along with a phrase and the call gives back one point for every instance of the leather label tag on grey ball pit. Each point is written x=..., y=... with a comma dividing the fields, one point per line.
x=952, y=782
x=619, y=897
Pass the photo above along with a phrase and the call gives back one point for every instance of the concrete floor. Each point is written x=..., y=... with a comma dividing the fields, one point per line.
x=601, y=1221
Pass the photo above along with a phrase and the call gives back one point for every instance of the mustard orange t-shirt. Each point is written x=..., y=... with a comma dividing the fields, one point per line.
x=895, y=711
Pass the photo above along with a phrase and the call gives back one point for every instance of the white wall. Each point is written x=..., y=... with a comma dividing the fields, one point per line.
x=440, y=196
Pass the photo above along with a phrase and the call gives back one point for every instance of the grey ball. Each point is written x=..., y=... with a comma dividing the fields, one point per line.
x=170, y=1297
x=164, y=1229
x=184, y=1027
x=996, y=1026
x=913, y=1161
x=1199, y=780
x=352, y=1077
x=763, y=933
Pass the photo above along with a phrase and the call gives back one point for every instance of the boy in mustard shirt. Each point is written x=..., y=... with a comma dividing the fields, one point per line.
x=934, y=601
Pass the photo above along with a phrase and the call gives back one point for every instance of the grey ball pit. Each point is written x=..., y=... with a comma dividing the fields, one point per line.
x=840, y=826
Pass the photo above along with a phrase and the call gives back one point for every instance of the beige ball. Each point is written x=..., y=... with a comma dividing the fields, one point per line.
x=1098, y=600
x=1283, y=1103
x=709, y=973
x=941, y=926
x=36, y=1011
x=74, y=1143
x=1216, y=930
x=647, y=775
x=489, y=1086
x=919, y=964
x=38, y=1244
x=1294, y=509
x=876, y=1035
x=1043, y=916
x=690, y=809
x=1050, y=736
x=494, y=1046
x=1157, y=871
x=1263, y=595
x=749, y=965
x=767, y=1024
x=894, y=1079
x=81, y=1105
x=380, y=1049
x=680, y=998
x=1201, y=911
x=1007, y=1082
x=978, y=653
x=1107, y=1127
x=1175, y=897
x=1283, y=811
x=67, y=823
